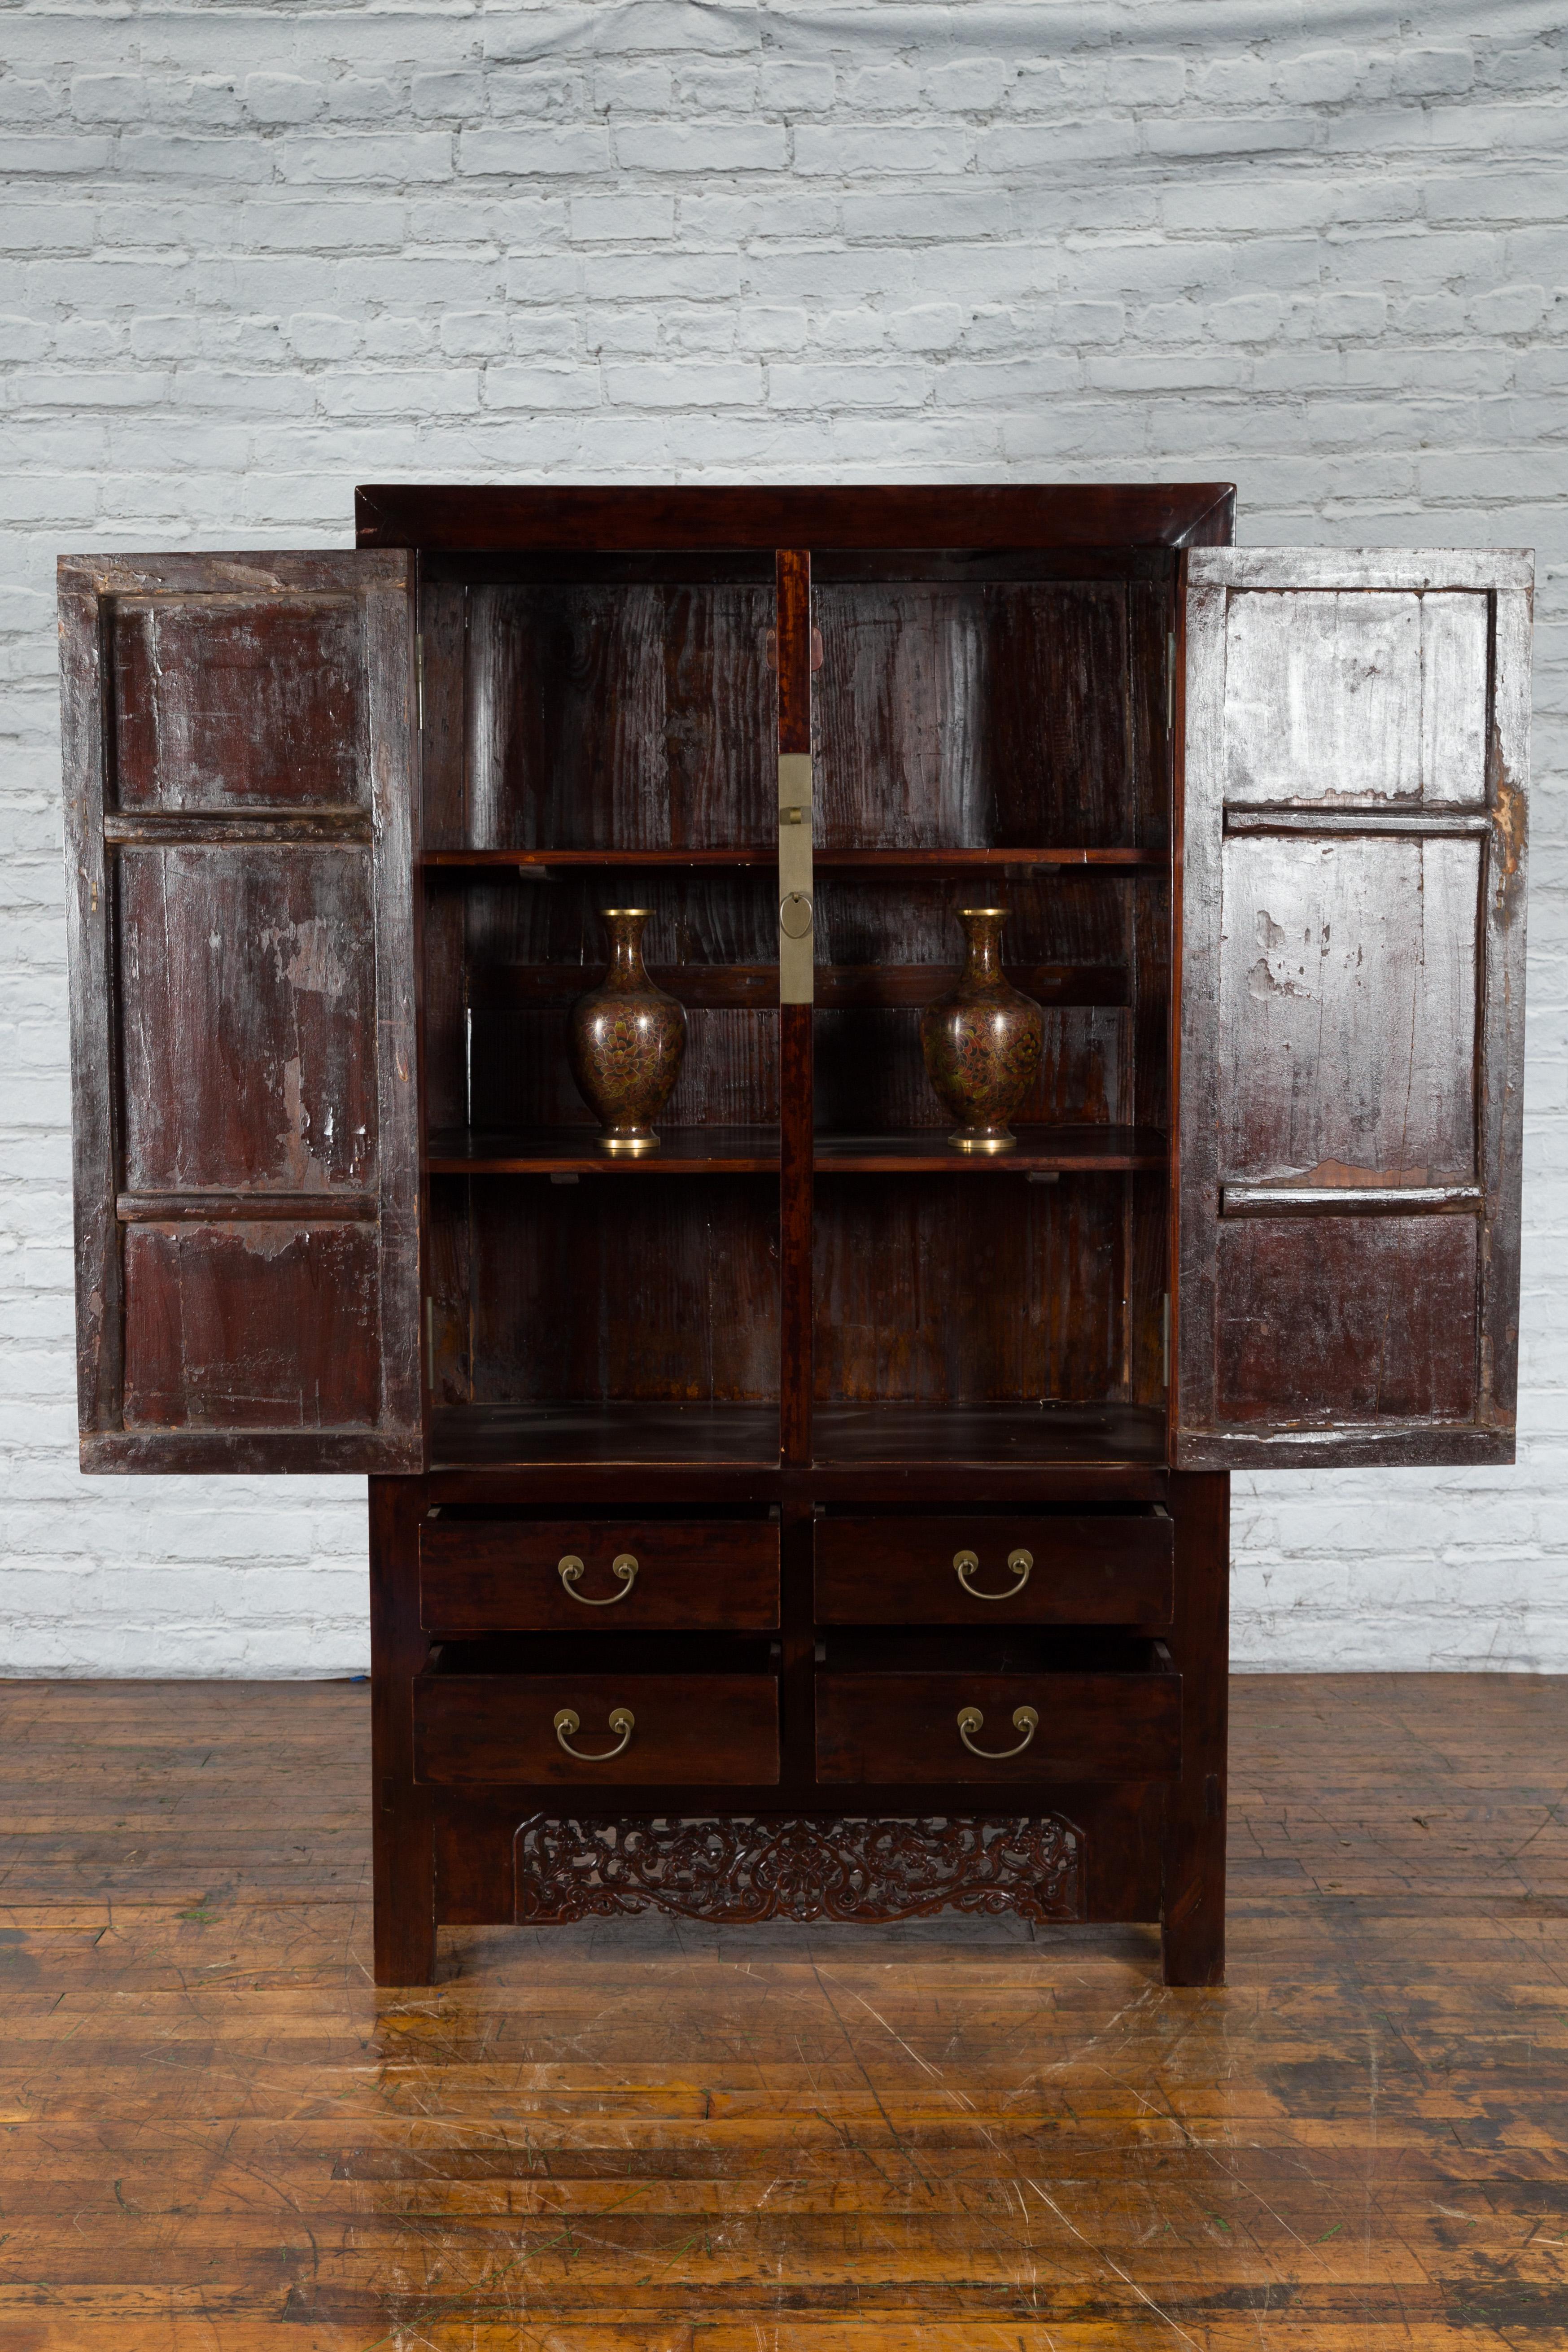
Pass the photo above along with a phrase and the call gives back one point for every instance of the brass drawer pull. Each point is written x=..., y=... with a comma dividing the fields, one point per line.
x=621, y=1719
x=1025, y=1719
x=1019, y=1561
x=624, y=1567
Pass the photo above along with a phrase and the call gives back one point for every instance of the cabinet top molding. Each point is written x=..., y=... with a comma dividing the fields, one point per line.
x=1413, y=571
x=608, y=517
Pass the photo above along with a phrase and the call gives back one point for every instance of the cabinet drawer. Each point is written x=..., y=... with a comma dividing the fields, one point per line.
x=501, y=1729
x=505, y=1576
x=1088, y=1726
x=1085, y=1570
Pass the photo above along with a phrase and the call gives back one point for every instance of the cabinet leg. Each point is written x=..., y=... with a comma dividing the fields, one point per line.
x=1191, y=1917
x=403, y=1827
x=404, y=1888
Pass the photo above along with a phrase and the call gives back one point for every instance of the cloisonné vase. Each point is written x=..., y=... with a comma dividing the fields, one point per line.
x=625, y=1040
x=981, y=1042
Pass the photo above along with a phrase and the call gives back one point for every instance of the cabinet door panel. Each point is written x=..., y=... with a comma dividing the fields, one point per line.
x=1351, y=1006
x=1348, y=1009
x=238, y=1327
x=266, y=1085
x=239, y=744
x=1342, y=695
x=1377, y=1314
x=228, y=702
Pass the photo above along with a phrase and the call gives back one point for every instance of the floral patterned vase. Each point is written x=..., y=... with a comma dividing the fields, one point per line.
x=625, y=1040
x=982, y=1043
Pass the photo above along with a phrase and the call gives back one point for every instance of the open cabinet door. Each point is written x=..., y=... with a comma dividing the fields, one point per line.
x=1351, y=1006
x=239, y=748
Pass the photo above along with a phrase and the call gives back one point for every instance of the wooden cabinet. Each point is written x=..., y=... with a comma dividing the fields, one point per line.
x=805, y=1465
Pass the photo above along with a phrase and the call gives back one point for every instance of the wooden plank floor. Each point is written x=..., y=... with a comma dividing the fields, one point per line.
x=964, y=2136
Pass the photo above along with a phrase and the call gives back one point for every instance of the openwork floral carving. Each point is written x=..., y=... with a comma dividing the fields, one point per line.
x=736, y=1868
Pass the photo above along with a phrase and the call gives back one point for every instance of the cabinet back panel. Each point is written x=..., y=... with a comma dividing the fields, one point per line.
x=519, y=1077
x=642, y=1286
x=224, y=702
x=636, y=716
x=1348, y=1009
x=968, y=1290
x=243, y=1325
x=247, y=987
x=1060, y=917
x=870, y=1075
x=1337, y=1319
x=693, y=918
x=974, y=715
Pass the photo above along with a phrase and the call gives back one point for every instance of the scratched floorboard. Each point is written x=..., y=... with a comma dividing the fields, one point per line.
x=960, y=2137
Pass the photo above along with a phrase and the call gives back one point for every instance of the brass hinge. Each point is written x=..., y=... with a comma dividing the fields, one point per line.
x=796, y=908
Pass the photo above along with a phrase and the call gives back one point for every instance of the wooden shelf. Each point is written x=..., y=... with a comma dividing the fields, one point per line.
x=571, y=1151
x=861, y=1433
x=927, y=1150
x=597, y=1435
x=686, y=1435
x=868, y=862
x=754, y=1150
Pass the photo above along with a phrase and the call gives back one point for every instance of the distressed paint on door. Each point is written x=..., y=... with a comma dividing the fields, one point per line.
x=1351, y=1007
x=238, y=736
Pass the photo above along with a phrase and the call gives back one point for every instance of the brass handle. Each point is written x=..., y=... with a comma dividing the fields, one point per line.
x=621, y=1719
x=1025, y=1719
x=1019, y=1561
x=624, y=1567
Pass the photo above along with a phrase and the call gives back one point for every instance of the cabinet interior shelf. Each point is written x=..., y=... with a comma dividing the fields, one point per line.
x=750, y=1151
x=520, y=987
x=829, y=860
x=598, y=1434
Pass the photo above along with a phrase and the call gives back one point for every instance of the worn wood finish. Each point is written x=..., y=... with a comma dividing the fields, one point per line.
x=218, y=705
x=968, y=2135
x=672, y=1295
x=1352, y=825
x=790, y=1319
x=249, y=1326
x=498, y=1728
x=933, y=1291
x=973, y=717
x=1109, y=1568
x=1347, y=1012
x=619, y=717
x=237, y=737
x=503, y=1576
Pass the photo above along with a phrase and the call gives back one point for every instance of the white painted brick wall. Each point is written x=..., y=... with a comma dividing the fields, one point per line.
x=253, y=255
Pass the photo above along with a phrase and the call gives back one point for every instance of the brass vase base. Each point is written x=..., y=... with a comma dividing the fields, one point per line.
x=635, y=1143
x=986, y=1141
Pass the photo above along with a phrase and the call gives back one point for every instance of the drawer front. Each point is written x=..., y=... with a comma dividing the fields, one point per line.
x=1091, y=1571
x=1088, y=1726
x=585, y=1576
x=501, y=1729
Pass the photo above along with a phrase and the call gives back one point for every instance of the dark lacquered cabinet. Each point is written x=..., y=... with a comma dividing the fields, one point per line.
x=806, y=1520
